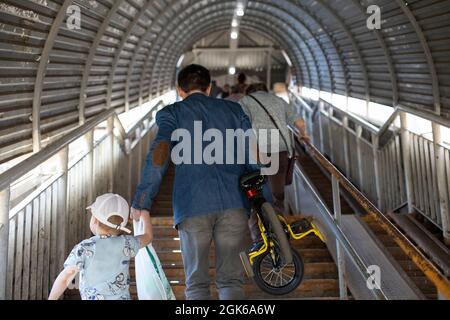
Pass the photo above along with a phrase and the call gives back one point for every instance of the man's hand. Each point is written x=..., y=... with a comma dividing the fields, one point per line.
x=301, y=126
x=306, y=138
x=136, y=213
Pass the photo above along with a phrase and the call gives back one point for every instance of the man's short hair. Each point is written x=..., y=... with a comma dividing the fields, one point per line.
x=256, y=87
x=242, y=78
x=194, y=77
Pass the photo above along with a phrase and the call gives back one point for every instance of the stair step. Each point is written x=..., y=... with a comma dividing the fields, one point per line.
x=310, y=288
x=164, y=232
x=166, y=243
x=410, y=268
x=320, y=270
x=308, y=255
x=162, y=222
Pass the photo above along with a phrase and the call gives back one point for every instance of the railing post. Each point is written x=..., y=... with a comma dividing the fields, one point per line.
x=110, y=129
x=89, y=142
x=442, y=187
x=339, y=250
x=269, y=70
x=4, y=239
x=330, y=134
x=346, y=147
x=62, y=167
x=310, y=128
x=406, y=151
x=359, y=156
x=139, y=151
x=128, y=156
x=321, y=127
x=376, y=166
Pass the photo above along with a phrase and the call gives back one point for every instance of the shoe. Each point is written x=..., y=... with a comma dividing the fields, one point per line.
x=256, y=246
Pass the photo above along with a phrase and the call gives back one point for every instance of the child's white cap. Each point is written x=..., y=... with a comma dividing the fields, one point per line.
x=109, y=205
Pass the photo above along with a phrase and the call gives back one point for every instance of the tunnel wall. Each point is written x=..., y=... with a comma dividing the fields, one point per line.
x=54, y=77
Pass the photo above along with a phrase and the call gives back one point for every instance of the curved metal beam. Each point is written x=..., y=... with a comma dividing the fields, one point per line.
x=157, y=43
x=147, y=32
x=199, y=9
x=387, y=55
x=299, y=37
x=40, y=75
x=119, y=49
x=157, y=60
x=150, y=55
x=426, y=49
x=244, y=25
x=191, y=29
x=91, y=56
x=281, y=6
x=354, y=45
x=249, y=15
x=335, y=45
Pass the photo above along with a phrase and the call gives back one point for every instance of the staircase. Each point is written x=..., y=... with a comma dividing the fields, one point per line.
x=320, y=279
x=413, y=274
x=425, y=286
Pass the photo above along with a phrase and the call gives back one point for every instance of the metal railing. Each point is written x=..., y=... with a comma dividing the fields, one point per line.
x=432, y=272
x=331, y=221
x=38, y=232
x=392, y=166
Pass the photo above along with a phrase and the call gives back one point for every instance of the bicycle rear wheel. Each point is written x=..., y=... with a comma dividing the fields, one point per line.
x=277, y=229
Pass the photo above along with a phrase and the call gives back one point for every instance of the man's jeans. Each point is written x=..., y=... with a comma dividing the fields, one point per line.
x=229, y=230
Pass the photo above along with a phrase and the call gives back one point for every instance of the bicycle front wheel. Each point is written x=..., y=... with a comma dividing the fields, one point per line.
x=277, y=229
x=279, y=280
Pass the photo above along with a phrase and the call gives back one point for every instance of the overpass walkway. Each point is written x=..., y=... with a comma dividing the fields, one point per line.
x=46, y=191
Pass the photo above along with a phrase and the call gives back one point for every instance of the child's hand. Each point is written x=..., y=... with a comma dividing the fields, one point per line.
x=135, y=214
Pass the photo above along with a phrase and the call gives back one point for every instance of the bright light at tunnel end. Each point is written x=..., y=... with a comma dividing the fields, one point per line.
x=240, y=12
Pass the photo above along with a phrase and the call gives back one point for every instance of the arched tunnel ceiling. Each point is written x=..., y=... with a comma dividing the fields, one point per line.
x=53, y=78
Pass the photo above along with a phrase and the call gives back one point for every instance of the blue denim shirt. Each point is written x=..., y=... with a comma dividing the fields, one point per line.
x=199, y=189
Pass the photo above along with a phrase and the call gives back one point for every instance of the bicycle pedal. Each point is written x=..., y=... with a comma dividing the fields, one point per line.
x=301, y=226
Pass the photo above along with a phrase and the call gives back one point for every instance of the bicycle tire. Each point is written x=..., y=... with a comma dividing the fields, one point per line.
x=271, y=217
x=279, y=291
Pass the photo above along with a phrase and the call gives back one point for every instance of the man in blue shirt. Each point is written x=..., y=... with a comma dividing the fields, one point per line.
x=207, y=201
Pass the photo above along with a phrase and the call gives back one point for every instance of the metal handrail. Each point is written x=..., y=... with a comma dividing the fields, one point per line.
x=14, y=173
x=147, y=115
x=340, y=236
x=50, y=150
x=352, y=116
x=426, y=266
x=381, y=130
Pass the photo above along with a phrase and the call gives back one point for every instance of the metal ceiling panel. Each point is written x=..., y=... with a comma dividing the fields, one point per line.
x=54, y=78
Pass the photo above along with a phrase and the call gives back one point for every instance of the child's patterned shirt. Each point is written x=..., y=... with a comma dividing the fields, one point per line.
x=104, y=262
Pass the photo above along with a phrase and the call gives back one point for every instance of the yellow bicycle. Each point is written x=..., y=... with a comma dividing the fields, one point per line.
x=276, y=267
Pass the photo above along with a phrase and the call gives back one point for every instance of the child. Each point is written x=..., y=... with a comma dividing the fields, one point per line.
x=103, y=260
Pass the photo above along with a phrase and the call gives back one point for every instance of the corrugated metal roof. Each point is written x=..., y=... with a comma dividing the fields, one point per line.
x=126, y=52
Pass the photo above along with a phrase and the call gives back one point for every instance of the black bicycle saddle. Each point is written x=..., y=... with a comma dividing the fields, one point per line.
x=252, y=180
